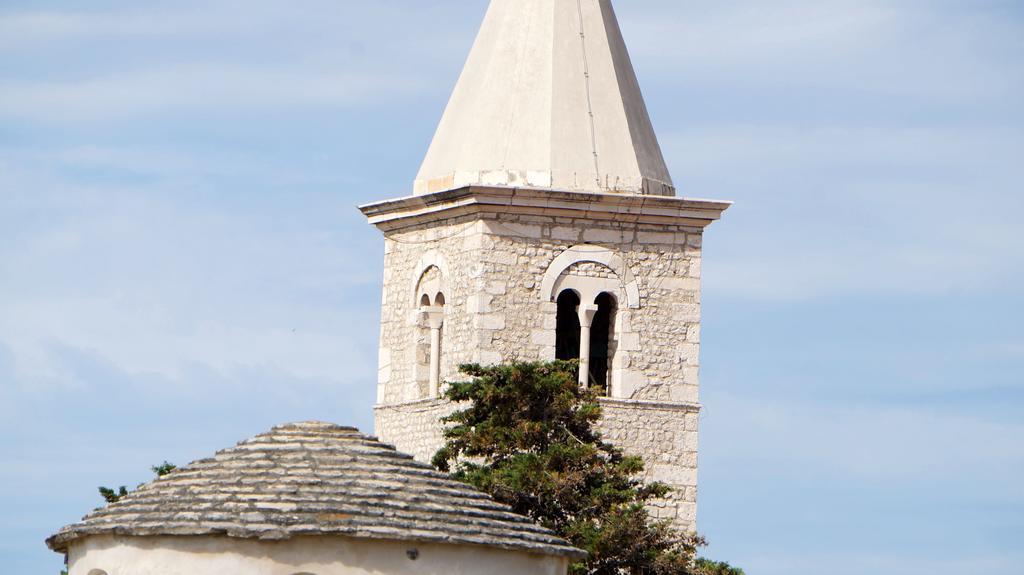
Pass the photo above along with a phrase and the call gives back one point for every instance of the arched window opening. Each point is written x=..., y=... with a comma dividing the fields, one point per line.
x=602, y=343
x=97, y=572
x=433, y=317
x=431, y=300
x=567, y=331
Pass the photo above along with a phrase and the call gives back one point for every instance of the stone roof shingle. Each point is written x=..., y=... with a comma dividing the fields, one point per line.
x=315, y=479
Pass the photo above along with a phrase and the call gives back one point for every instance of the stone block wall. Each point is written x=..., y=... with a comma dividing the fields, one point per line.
x=665, y=435
x=451, y=246
x=657, y=343
x=414, y=427
x=494, y=266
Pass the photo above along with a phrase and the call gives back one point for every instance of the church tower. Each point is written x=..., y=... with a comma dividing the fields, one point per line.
x=544, y=224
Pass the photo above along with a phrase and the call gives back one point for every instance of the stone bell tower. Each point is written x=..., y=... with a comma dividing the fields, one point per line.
x=544, y=224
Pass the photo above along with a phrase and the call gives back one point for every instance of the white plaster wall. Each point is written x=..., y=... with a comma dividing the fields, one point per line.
x=306, y=555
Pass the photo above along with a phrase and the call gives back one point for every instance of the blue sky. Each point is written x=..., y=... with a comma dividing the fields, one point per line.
x=182, y=266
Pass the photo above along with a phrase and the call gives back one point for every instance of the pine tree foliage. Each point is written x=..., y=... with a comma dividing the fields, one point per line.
x=114, y=495
x=111, y=495
x=707, y=567
x=526, y=436
x=163, y=469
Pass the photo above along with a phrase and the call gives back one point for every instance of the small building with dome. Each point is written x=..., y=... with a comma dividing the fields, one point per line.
x=309, y=499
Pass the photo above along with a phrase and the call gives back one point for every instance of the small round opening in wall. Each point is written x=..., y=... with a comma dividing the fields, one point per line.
x=413, y=554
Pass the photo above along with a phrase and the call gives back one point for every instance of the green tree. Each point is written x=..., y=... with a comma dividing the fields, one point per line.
x=114, y=495
x=707, y=567
x=526, y=436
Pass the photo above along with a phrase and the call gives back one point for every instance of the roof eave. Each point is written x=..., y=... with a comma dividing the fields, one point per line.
x=61, y=542
x=415, y=210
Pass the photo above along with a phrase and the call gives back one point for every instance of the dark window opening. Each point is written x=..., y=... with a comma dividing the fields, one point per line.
x=567, y=335
x=601, y=343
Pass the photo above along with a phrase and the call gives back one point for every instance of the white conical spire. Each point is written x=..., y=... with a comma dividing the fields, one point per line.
x=548, y=99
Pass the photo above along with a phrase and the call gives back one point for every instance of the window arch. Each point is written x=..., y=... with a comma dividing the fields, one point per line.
x=598, y=255
x=430, y=285
x=432, y=259
x=97, y=572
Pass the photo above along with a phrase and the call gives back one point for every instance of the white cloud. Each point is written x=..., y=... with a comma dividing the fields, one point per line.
x=791, y=151
x=909, y=48
x=38, y=27
x=869, y=443
x=816, y=267
x=883, y=160
x=153, y=284
x=1012, y=349
x=213, y=20
x=733, y=32
x=180, y=20
x=197, y=87
x=169, y=166
x=146, y=338
x=870, y=210
x=867, y=560
x=96, y=64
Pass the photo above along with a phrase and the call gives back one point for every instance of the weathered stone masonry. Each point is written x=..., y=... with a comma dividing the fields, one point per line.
x=501, y=266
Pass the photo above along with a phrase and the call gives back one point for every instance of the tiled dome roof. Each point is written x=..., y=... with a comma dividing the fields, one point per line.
x=315, y=479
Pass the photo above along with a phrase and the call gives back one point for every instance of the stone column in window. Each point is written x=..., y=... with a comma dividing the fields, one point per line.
x=435, y=321
x=587, y=313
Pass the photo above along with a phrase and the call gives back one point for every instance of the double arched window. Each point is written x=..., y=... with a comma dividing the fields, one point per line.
x=586, y=331
x=430, y=298
x=433, y=320
x=590, y=285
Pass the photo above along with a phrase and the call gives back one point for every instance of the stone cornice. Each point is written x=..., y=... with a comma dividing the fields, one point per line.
x=417, y=210
x=652, y=405
x=425, y=404
x=429, y=404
